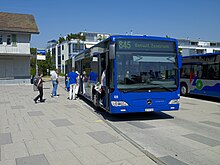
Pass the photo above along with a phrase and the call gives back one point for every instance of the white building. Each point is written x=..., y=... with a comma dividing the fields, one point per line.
x=68, y=49
x=15, y=36
x=190, y=47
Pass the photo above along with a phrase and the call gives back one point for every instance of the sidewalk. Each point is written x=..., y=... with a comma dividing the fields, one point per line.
x=58, y=132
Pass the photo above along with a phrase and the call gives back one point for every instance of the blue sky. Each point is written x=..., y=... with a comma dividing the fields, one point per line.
x=193, y=19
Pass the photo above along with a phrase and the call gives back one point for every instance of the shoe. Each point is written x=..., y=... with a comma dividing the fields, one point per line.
x=35, y=101
x=42, y=101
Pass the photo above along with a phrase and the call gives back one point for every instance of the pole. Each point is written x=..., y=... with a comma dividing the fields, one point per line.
x=36, y=67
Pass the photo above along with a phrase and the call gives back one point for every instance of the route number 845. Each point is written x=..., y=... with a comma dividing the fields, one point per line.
x=124, y=44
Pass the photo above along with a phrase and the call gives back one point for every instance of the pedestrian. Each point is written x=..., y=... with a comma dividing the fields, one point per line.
x=40, y=88
x=103, y=87
x=77, y=84
x=55, y=81
x=73, y=76
x=92, y=81
x=84, y=79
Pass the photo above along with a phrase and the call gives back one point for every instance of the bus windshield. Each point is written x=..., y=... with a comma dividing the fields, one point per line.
x=146, y=71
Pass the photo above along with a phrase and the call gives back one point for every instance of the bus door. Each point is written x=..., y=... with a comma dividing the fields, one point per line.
x=104, y=78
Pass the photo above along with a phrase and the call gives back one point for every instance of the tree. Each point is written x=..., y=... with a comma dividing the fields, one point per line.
x=78, y=36
x=33, y=61
x=180, y=50
x=100, y=38
x=61, y=39
x=43, y=65
x=46, y=65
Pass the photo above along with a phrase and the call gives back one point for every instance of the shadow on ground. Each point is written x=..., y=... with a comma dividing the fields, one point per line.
x=129, y=116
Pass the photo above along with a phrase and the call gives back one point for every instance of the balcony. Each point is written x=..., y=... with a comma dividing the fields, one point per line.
x=18, y=48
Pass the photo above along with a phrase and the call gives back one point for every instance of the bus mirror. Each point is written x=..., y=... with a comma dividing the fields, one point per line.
x=180, y=58
x=112, y=51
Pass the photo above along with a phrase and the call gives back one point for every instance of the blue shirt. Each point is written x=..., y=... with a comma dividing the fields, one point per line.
x=72, y=76
x=92, y=76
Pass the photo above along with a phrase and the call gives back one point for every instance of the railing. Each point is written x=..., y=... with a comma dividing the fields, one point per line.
x=19, y=48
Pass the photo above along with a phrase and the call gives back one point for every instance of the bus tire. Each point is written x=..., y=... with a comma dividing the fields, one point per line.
x=183, y=89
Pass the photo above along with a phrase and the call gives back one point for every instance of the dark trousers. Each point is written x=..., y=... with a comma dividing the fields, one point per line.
x=40, y=89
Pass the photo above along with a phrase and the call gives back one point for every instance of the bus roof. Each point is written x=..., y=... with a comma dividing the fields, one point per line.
x=141, y=37
x=115, y=37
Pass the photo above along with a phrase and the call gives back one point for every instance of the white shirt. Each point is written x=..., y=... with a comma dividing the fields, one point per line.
x=103, y=79
x=54, y=76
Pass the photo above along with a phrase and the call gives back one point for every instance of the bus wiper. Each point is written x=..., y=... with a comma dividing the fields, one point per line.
x=136, y=89
x=162, y=87
x=168, y=89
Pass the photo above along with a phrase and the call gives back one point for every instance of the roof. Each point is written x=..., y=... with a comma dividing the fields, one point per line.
x=25, y=23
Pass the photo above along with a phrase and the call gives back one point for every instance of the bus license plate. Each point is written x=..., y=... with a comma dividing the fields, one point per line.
x=149, y=110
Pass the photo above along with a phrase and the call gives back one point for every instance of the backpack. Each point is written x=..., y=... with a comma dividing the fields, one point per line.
x=36, y=81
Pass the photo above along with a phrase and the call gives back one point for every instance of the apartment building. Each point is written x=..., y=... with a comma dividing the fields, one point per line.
x=189, y=47
x=68, y=49
x=15, y=36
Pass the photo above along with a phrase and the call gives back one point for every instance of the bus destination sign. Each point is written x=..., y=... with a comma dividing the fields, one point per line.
x=145, y=45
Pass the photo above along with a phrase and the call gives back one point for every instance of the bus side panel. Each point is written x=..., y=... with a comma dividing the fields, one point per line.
x=206, y=88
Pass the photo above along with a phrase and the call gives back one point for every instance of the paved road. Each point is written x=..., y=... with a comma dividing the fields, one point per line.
x=58, y=132
x=188, y=136
x=61, y=132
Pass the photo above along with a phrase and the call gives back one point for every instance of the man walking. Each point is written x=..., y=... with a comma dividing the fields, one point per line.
x=54, y=78
x=40, y=88
x=73, y=76
x=92, y=81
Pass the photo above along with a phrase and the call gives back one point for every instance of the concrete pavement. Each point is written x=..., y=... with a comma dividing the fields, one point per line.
x=58, y=132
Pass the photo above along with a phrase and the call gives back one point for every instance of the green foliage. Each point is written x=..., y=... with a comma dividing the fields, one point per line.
x=45, y=65
x=42, y=65
x=33, y=66
x=100, y=38
x=33, y=52
x=180, y=50
x=76, y=36
x=61, y=39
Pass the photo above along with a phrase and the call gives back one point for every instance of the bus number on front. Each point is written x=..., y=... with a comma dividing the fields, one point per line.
x=124, y=44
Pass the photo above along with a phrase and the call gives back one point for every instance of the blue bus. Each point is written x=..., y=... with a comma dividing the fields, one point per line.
x=200, y=75
x=129, y=74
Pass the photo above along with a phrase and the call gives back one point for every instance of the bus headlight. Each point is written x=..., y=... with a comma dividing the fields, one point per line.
x=119, y=103
x=174, y=101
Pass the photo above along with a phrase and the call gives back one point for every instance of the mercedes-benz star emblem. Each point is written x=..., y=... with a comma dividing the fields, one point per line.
x=149, y=102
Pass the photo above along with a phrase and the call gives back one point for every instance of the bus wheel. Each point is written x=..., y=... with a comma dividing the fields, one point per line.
x=183, y=89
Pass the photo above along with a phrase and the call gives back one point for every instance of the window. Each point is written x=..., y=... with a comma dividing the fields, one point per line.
x=62, y=68
x=59, y=60
x=14, y=39
x=69, y=48
x=53, y=51
x=9, y=39
x=194, y=43
x=62, y=56
x=59, y=50
x=62, y=47
x=1, y=39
